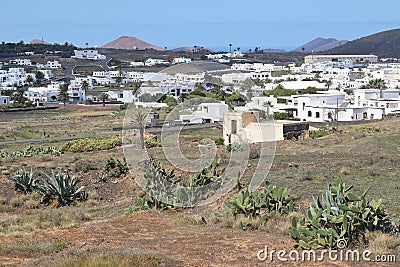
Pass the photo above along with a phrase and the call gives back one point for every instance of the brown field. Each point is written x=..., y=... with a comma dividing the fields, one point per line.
x=100, y=231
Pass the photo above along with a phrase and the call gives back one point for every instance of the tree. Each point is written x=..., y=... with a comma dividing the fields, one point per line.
x=377, y=84
x=303, y=49
x=170, y=101
x=230, y=48
x=103, y=97
x=85, y=87
x=119, y=78
x=18, y=97
x=63, y=95
x=328, y=83
x=139, y=120
x=136, y=89
x=268, y=105
x=182, y=97
x=39, y=76
x=29, y=79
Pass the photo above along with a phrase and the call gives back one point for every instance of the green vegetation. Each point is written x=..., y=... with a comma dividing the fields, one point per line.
x=60, y=189
x=162, y=186
x=151, y=142
x=115, y=167
x=91, y=144
x=24, y=182
x=321, y=132
x=254, y=204
x=30, y=151
x=339, y=219
x=219, y=141
x=66, y=49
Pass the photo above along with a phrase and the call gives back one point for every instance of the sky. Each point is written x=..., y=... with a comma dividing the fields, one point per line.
x=214, y=24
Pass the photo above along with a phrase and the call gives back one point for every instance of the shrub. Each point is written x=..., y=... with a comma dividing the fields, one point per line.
x=24, y=182
x=219, y=141
x=255, y=204
x=151, y=142
x=234, y=147
x=338, y=219
x=323, y=131
x=30, y=151
x=116, y=167
x=62, y=189
x=91, y=144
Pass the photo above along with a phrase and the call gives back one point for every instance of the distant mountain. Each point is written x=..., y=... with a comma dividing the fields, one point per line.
x=273, y=50
x=382, y=44
x=320, y=44
x=38, y=41
x=131, y=43
x=190, y=49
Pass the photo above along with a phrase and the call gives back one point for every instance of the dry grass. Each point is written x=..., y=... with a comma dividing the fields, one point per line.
x=105, y=257
x=382, y=244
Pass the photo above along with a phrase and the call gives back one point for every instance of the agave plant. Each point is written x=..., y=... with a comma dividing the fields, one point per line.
x=62, y=189
x=23, y=181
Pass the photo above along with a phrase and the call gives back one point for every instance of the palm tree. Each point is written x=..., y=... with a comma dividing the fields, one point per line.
x=230, y=48
x=85, y=87
x=328, y=83
x=103, y=97
x=377, y=84
x=136, y=89
x=139, y=120
x=119, y=78
x=63, y=95
x=268, y=105
x=29, y=79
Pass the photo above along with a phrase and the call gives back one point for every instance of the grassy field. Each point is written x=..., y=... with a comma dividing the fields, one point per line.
x=366, y=156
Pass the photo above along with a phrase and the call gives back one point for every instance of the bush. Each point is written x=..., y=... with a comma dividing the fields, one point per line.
x=255, y=204
x=116, y=167
x=61, y=189
x=339, y=219
x=151, y=142
x=24, y=182
x=219, y=141
x=91, y=144
x=321, y=132
x=234, y=147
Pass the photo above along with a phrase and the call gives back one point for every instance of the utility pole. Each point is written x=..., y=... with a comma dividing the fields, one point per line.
x=337, y=114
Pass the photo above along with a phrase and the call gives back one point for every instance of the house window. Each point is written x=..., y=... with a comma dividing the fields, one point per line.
x=309, y=114
x=304, y=104
x=234, y=126
x=316, y=114
x=365, y=115
x=330, y=115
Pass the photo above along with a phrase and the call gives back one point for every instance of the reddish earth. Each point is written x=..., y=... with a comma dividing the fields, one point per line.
x=155, y=233
x=131, y=43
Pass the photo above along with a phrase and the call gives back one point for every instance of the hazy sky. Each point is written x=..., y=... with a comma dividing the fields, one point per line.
x=210, y=23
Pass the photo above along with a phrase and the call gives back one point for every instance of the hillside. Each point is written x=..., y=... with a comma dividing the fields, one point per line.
x=131, y=43
x=38, y=41
x=320, y=44
x=382, y=44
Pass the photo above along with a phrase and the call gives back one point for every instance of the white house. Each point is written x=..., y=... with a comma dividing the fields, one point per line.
x=181, y=60
x=155, y=61
x=331, y=107
x=88, y=54
x=389, y=99
x=125, y=96
x=245, y=127
x=4, y=100
x=21, y=62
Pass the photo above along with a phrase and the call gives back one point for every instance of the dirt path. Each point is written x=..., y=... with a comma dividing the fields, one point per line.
x=157, y=234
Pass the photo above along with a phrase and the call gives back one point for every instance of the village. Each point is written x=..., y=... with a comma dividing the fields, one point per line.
x=324, y=89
